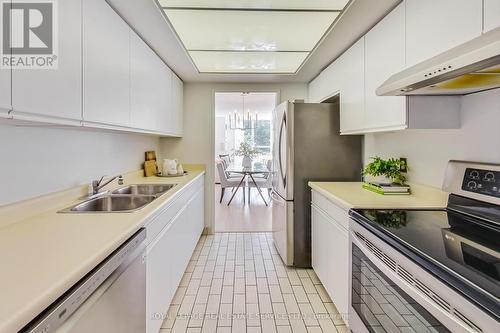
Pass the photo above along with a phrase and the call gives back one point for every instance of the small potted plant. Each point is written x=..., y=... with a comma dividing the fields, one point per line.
x=385, y=171
x=248, y=152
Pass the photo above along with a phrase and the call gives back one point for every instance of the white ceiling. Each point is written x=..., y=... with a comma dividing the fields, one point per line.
x=150, y=22
x=261, y=102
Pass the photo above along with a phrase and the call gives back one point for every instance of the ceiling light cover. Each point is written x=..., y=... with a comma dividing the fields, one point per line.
x=257, y=4
x=250, y=30
x=248, y=62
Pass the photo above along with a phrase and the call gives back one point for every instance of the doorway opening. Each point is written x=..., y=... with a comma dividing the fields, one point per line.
x=243, y=160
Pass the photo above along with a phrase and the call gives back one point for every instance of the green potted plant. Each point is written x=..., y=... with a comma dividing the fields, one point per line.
x=248, y=152
x=385, y=171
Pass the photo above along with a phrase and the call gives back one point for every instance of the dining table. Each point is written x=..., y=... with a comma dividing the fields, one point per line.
x=256, y=168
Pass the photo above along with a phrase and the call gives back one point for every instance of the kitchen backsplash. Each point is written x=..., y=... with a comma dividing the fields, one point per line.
x=428, y=151
x=41, y=160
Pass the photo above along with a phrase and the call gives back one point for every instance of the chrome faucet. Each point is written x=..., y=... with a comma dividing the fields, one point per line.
x=97, y=185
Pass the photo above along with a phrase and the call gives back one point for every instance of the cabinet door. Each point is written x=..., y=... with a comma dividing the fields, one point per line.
x=338, y=266
x=197, y=215
x=319, y=243
x=106, y=65
x=159, y=277
x=491, y=14
x=164, y=100
x=177, y=104
x=433, y=26
x=352, y=95
x=326, y=85
x=315, y=88
x=54, y=95
x=145, y=91
x=385, y=56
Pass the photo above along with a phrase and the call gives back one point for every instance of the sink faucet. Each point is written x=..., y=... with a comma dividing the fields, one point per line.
x=97, y=185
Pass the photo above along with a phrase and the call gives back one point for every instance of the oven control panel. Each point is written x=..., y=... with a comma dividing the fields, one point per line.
x=486, y=182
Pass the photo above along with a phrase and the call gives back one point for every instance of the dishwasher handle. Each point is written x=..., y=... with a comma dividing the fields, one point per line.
x=52, y=318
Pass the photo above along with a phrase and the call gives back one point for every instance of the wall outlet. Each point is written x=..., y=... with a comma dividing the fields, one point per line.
x=403, y=164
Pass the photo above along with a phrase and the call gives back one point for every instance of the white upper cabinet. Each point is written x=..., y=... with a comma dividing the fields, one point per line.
x=433, y=27
x=106, y=66
x=326, y=84
x=384, y=56
x=177, y=105
x=351, y=73
x=491, y=14
x=149, y=87
x=54, y=95
x=164, y=97
x=142, y=93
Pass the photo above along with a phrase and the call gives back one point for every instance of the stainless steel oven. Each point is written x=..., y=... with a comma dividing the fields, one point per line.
x=389, y=292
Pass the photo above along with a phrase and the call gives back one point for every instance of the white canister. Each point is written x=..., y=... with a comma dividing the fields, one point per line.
x=170, y=166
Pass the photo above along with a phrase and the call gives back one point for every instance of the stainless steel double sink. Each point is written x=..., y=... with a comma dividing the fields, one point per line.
x=125, y=199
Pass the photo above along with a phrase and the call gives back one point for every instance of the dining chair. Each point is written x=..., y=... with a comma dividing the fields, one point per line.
x=226, y=182
x=269, y=164
x=226, y=160
x=264, y=183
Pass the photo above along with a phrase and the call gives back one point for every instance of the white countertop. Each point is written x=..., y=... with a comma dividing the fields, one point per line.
x=44, y=254
x=352, y=195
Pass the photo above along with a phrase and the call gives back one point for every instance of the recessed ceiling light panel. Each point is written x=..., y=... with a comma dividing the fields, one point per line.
x=257, y=4
x=248, y=62
x=250, y=30
x=251, y=36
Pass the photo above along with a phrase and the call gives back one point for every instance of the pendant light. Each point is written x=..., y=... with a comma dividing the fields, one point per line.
x=241, y=120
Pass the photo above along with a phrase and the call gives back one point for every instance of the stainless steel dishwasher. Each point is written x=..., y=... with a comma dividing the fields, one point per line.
x=111, y=298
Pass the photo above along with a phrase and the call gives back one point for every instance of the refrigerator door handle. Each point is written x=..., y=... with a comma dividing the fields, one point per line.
x=282, y=126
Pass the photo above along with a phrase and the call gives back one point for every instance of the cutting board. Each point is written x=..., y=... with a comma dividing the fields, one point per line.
x=150, y=168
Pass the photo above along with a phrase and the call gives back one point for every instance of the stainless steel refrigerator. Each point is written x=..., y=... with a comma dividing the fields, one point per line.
x=307, y=146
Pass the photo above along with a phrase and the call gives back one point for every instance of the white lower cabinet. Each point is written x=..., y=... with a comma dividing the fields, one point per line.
x=338, y=266
x=169, y=251
x=330, y=251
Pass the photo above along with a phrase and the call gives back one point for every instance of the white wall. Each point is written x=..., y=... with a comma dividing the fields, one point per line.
x=197, y=146
x=428, y=151
x=40, y=160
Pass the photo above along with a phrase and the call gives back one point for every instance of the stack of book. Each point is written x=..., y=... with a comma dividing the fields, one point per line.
x=387, y=189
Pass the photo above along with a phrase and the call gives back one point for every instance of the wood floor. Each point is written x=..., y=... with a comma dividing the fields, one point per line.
x=242, y=217
x=236, y=282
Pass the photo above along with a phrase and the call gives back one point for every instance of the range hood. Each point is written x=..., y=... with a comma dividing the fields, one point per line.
x=468, y=68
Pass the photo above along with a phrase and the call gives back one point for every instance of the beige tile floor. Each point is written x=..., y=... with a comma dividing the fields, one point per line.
x=236, y=282
x=242, y=217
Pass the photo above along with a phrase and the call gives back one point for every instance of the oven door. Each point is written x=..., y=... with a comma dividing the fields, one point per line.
x=390, y=293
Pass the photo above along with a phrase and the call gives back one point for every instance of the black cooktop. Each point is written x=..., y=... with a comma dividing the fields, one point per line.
x=459, y=244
